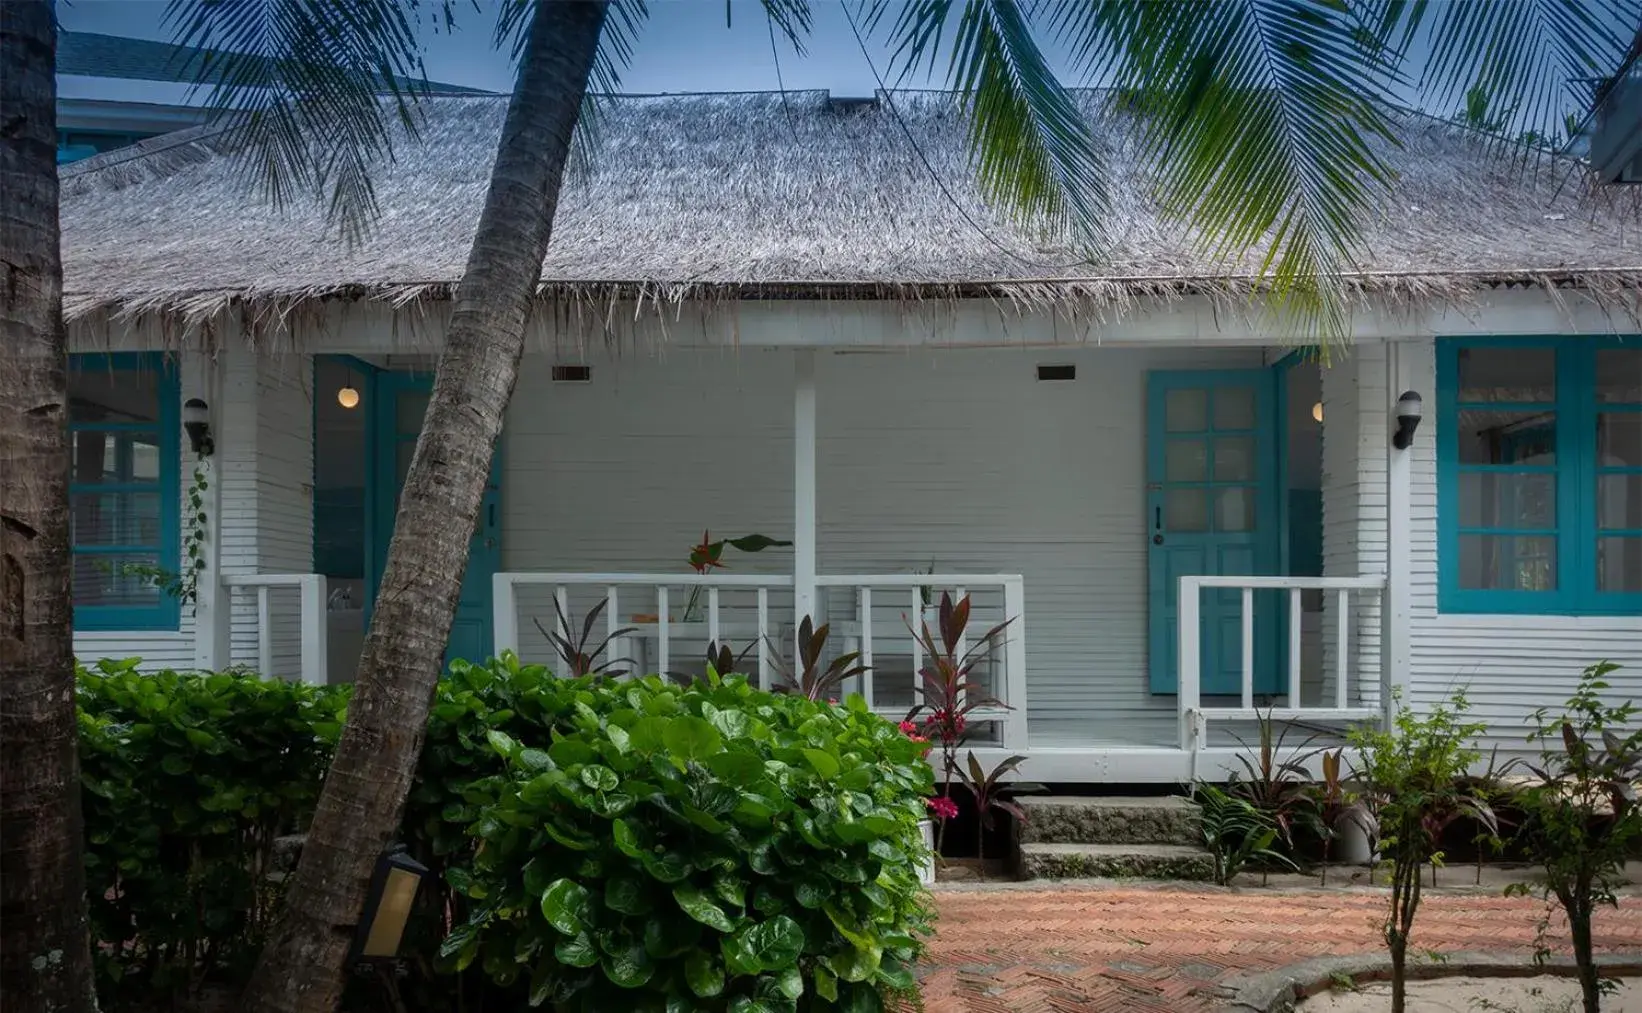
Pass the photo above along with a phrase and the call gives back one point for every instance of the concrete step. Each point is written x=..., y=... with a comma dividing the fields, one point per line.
x=1071, y=819
x=1144, y=861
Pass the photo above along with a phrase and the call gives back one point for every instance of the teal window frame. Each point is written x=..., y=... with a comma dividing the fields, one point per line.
x=1576, y=472
x=166, y=612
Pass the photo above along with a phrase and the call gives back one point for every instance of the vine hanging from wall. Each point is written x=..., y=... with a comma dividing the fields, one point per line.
x=182, y=584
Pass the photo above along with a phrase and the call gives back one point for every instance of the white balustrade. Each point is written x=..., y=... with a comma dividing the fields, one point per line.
x=1194, y=716
x=311, y=618
x=869, y=629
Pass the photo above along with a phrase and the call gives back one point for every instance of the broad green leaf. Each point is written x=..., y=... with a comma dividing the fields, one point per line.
x=599, y=778
x=567, y=906
x=770, y=945
x=738, y=768
x=630, y=968
x=669, y=866
x=669, y=937
x=861, y=998
x=704, y=974
x=822, y=762
x=627, y=896
x=730, y=889
x=534, y=759
x=700, y=907
x=577, y=951
x=812, y=891
x=826, y=983
x=569, y=752
x=855, y=964
x=790, y=982
x=691, y=738
x=627, y=842
x=502, y=742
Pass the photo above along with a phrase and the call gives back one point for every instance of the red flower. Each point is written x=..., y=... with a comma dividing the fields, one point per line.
x=943, y=808
x=908, y=728
x=706, y=556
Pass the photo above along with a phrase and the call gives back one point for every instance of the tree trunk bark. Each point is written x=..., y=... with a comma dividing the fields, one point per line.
x=45, y=950
x=1590, y=980
x=302, y=967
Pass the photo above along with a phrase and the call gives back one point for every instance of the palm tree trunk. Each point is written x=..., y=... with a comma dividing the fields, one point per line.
x=301, y=968
x=45, y=951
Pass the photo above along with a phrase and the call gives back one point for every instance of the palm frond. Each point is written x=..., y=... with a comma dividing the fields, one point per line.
x=1261, y=116
x=1527, y=59
x=303, y=86
x=1031, y=147
x=791, y=18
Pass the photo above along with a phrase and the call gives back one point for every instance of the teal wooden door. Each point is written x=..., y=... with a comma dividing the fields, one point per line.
x=1211, y=509
x=401, y=402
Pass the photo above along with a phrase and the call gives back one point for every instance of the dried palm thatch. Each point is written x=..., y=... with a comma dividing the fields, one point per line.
x=760, y=195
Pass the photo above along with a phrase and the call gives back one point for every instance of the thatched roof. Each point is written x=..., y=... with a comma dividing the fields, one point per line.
x=802, y=196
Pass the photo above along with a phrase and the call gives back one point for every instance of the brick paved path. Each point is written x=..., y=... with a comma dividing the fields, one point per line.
x=1149, y=949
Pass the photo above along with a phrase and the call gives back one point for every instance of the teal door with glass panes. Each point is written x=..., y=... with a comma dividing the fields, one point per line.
x=1211, y=510
x=401, y=403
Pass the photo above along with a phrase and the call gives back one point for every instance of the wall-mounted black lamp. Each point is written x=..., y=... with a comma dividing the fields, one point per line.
x=387, y=906
x=196, y=421
x=1409, y=410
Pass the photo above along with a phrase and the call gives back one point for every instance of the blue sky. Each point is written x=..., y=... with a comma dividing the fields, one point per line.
x=684, y=46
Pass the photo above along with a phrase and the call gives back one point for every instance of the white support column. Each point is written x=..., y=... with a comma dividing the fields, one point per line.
x=1394, y=611
x=803, y=534
x=213, y=611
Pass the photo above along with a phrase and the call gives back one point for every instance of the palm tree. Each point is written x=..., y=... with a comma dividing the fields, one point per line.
x=45, y=954
x=1267, y=120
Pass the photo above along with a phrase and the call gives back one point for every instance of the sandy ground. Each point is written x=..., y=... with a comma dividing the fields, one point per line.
x=1546, y=994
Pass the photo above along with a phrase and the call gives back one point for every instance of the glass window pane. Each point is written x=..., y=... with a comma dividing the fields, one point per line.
x=1619, y=439
x=100, y=394
x=1619, y=502
x=1186, y=509
x=1619, y=375
x=110, y=580
x=96, y=456
x=1234, y=408
x=1234, y=509
x=1507, y=437
x=1507, y=374
x=1186, y=411
x=1492, y=499
x=1508, y=562
x=409, y=409
x=114, y=518
x=1186, y=461
x=1234, y=459
x=1619, y=564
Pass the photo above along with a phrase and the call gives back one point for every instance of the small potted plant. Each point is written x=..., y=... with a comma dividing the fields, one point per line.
x=707, y=556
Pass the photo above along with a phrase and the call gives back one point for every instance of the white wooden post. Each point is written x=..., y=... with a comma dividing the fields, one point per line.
x=315, y=629
x=1342, y=636
x=265, y=640
x=763, y=638
x=664, y=633
x=1296, y=615
x=504, y=620
x=1394, y=610
x=1189, y=659
x=1014, y=660
x=1248, y=648
x=866, y=646
x=803, y=534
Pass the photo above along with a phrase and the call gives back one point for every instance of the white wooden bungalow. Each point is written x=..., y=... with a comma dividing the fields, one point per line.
x=762, y=314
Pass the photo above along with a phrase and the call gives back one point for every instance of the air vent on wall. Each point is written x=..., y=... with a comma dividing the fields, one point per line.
x=1057, y=372
x=572, y=374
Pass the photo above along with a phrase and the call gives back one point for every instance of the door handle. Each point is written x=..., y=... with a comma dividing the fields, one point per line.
x=1157, y=525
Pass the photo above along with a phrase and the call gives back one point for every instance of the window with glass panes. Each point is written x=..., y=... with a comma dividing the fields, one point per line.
x=123, y=494
x=1540, y=475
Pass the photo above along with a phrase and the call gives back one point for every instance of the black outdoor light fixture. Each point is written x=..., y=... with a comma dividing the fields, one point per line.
x=196, y=421
x=387, y=906
x=1409, y=409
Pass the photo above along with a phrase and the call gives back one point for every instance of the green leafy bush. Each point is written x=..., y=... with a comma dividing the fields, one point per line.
x=650, y=846
x=187, y=780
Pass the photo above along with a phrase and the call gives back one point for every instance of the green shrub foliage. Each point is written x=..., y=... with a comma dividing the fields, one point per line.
x=187, y=780
x=598, y=844
x=647, y=846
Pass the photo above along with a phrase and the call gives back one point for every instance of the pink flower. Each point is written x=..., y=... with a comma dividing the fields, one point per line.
x=943, y=808
x=908, y=728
